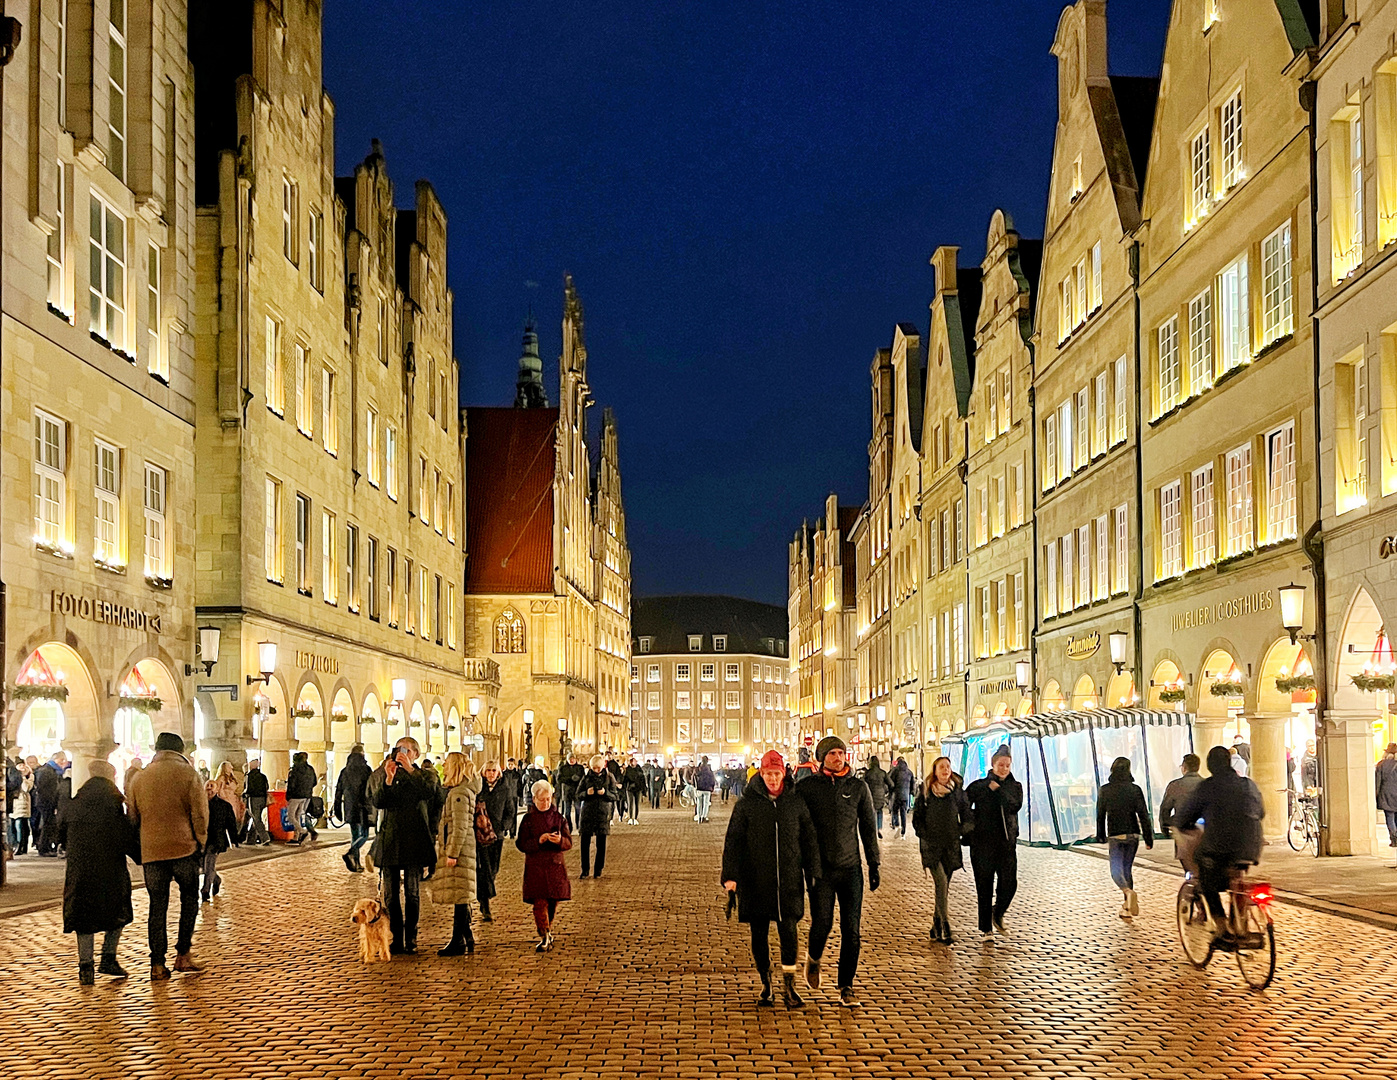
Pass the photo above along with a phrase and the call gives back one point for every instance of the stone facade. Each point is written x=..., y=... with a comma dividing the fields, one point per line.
x=905, y=553
x=872, y=539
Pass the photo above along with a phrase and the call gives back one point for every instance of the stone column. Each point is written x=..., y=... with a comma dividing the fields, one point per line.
x=1268, y=769
x=1348, y=782
x=80, y=753
x=1207, y=733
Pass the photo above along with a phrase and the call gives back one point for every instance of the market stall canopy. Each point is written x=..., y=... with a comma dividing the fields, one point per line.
x=1037, y=725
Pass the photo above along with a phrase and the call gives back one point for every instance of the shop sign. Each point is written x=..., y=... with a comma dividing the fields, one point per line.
x=231, y=689
x=1000, y=686
x=100, y=611
x=326, y=665
x=433, y=689
x=1234, y=607
x=1083, y=646
x=943, y=698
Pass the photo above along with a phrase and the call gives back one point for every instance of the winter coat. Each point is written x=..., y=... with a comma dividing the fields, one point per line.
x=351, y=795
x=168, y=805
x=635, y=779
x=598, y=793
x=1175, y=792
x=995, y=813
x=223, y=825
x=408, y=805
x=940, y=821
x=499, y=804
x=1386, y=778
x=770, y=851
x=256, y=786
x=842, y=810
x=96, y=882
x=703, y=779
x=616, y=770
x=300, y=781
x=568, y=776
x=1121, y=811
x=456, y=840
x=879, y=786
x=900, y=783
x=46, y=778
x=23, y=807
x=1231, y=809
x=545, y=872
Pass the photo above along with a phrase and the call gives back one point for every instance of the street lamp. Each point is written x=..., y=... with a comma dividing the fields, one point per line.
x=564, y=743
x=399, y=691
x=1023, y=675
x=1119, y=640
x=209, y=638
x=1292, y=609
x=266, y=662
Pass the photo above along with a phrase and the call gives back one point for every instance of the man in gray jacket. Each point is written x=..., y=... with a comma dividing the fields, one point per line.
x=1176, y=793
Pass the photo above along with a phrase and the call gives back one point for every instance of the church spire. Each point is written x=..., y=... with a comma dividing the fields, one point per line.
x=529, y=392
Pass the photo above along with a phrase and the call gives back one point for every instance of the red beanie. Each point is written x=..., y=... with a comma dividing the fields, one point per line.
x=772, y=759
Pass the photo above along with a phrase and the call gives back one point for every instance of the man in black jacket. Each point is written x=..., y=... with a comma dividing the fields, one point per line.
x=995, y=801
x=1231, y=810
x=900, y=784
x=255, y=795
x=569, y=775
x=842, y=810
x=407, y=797
x=876, y=777
x=300, y=786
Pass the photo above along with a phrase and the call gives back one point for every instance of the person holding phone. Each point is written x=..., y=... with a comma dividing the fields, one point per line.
x=404, y=848
x=544, y=835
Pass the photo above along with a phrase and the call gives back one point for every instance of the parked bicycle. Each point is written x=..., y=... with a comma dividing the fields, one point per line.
x=1249, y=932
x=1302, y=831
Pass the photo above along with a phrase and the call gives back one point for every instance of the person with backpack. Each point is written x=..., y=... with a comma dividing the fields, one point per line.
x=300, y=787
x=1122, y=821
x=900, y=783
x=352, y=804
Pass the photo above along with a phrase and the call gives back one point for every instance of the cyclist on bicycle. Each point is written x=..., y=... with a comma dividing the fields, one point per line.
x=1230, y=809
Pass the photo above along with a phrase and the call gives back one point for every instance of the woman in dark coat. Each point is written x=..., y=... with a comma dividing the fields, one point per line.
x=1122, y=818
x=598, y=793
x=940, y=817
x=98, y=836
x=352, y=804
x=544, y=835
x=223, y=834
x=635, y=787
x=769, y=853
x=496, y=792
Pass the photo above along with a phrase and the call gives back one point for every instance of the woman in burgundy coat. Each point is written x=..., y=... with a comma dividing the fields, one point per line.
x=544, y=835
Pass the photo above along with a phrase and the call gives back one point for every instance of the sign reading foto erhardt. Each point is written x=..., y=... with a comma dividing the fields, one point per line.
x=102, y=611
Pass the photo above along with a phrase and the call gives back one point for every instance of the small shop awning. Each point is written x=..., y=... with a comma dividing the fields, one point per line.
x=1039, y=725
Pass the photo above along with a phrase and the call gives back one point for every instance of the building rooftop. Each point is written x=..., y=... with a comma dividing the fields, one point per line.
x=750, y=626
x=509, y=499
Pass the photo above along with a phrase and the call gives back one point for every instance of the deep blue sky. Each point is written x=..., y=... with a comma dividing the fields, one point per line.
x=746, y=195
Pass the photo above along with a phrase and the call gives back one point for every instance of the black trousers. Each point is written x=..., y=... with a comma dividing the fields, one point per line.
x=846, y=887
x=403, y=887
x=633, y=800
x=786, y=933
x=587, y=835
x=993, y=864
x=46, y=832
x=158, y=875
x=487, y=866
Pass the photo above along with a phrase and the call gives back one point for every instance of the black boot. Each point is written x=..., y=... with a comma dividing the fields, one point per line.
x=936, y=929
x=85, y=974
x=765, y=999
x=788, y=984
x=460, y=927
x=465, y=913
x=946, y=938
x=109, y=966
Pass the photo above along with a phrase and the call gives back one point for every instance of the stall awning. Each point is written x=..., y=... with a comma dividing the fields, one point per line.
x=1039, y=725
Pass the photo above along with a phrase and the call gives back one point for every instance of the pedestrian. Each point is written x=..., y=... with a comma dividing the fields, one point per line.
x=255, y=789
x=352, y=804
x=842, y=810
x=940, y=819
x=131, y=771
x=1176, y=793
x=1239, y=763
x=739, y=780
x=704, y=783
x=544, y=835
x=48, y=778
x=671, y=783
x=19, y=786
x=1309, y=769
x=900, y=783
x=635, y=788
x=300, y=786
x=98, y=837
x=725, y=782
x=1386, y=785
x=229, y=789
x=768, y=876
x=498, y=798
x=569, y=774
x=1122, y=821
x=407, y=798
x=222, y=834
x=598, y=793
x=514, y=776
x=805, y=768
x=1242, y=747
x=170, y=811
x=879, y=787
x=995, y=800
x=456, y=879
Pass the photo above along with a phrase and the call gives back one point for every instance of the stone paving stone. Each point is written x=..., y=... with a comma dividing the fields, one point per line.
x=649, y=980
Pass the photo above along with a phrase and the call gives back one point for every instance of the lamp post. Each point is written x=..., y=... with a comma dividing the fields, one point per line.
x=1023, y=679
x=914, y=723
x=1292, y=598
x=564, y=743
x=266, y=663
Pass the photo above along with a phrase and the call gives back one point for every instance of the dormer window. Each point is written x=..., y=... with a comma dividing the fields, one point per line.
x=645, y=643
x=695, y=642
x=720, y=643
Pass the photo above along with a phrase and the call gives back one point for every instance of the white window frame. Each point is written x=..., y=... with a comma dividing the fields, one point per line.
x=1281, y=496
x=732, y=673
x=1050, y=477
x=1171, y=535
x=1082, y=453
x=1050, y=593
x=1200, y=342
x=708, y=672
x=1241, y=534
x=1101, y=417
x=315, y=249
x=1204, y=531
x=274, y=383
x=303, y=541
x=1200, y=175
x=154, y=500
x=51, y=481
x=1020, y=621
x=106, y=494
x=1231, y=138
x=305, y=418
x=1277, y=309
x=351, y=567
x=390, y=461
x=271, y=530
x=329, y=412
x=157, y=363
x=329, y=563
x=1121, y=552
x=720, y=642
x=682, y=673
x=1103, y=558
x=107, y=293
x=1067, y=547
x=56, y=246
x=1096, y=298
x=118, y=99
x=1121, y=391
x=372, y=464
x=1167, y=384
x=290, y=215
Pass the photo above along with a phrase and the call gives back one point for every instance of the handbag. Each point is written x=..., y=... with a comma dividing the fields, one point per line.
x=484, y=827
x=315, y=808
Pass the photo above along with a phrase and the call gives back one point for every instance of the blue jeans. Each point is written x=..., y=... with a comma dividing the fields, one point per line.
x=846, y=886
x=1391, y=816
x=701, y=802
x=158, y=876
x=358, y=837
x=880, y=820
x=900, y=815
x=1123, y=862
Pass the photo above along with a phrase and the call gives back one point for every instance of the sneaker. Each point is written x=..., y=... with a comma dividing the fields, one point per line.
x=542, y=945
x=1134, y=903
x=348, y=862
x=812, y=973
x=999, y=925
x=1125, y=908
x=847, y=998
x=548, y=942
x=987, y=938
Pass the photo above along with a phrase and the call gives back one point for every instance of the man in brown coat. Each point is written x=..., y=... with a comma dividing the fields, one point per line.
x=170, y=812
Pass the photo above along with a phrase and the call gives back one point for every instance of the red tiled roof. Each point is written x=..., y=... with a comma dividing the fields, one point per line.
x=509, y=500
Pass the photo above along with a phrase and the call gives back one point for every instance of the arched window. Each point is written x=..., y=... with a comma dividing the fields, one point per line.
x=509, y=632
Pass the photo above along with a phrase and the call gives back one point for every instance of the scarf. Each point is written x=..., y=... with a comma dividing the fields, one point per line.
x=843, y=772
x=941, y=791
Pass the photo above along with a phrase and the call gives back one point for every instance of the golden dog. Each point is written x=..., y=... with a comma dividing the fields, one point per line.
x=374, y=935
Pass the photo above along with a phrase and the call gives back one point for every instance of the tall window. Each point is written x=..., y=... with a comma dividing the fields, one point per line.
x=156, y=480
x=303, y=545
x=436, y=608
x=1079, y=272
x=1121, y=571
x=1277, y=319
x=1020, y=637
x=106, y=483
x=1096, y=276
x=315, y=249
x=1068, y=318
x=1084, y=565
x=390, y=587
x=304, y=407
x=371, y=446
x=960, y=530
x=1280, y=484
x=1360, y=429
x=329, y=412
x=1103, y=558
x=1016, y=493
x=1083, y=422
x=271, y=531
x=1200, y=342
x=1049, y=451
x=58, y=244
x=1235, y=310
x=991, y=408
x=107, y=280
x=156, y=361
x=371, y=577
x=382, y=330
x=1171, y=536
x=290, y=201
x=62, y=41
x=1006, y=399
x=1065, y=440
x=1239, y=501
x=1230, y=127
x=351, y=567
x=50, y=481
x=390, y=461
x=1346, y=179
x=1200, y=159
x=436, y=500
x=274, y=383
x=329, y=563
x=450, y=615
x=1050, y=578
x=986, y=620
x=958, y=635
x=1121, y=391
x=424, y=602
x=1068, y=547
x=1167, y=392
x=451, y=520
x=1204, y=529
x=424, y=509
x=1102, y=415
x=441, y=393
x=116, y=88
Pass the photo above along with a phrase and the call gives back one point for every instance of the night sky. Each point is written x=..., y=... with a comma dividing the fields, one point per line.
x=746, y=196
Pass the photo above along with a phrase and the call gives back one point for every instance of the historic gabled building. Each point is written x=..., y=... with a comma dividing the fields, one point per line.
x=544, y=556
x=872, y=538
x=905, y=547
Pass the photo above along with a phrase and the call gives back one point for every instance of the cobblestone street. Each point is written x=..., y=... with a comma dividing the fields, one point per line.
x=649, y=980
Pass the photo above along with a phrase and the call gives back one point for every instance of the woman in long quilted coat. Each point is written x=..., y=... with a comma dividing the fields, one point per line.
x=455, y=879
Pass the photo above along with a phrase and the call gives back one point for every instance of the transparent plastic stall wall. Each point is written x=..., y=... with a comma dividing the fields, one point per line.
x=956, y=752
x=1038, y=827
x=978, y=749
x=1072, y=780
x=1166, y=747
x=1126, y=742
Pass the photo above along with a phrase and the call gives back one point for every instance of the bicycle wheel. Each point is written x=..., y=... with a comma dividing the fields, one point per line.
x=1312, y=828
x=1256, y=948
x=1296, y=833
x=1195, y=932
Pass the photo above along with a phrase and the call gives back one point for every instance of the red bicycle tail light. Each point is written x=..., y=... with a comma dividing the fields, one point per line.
x=1262, y=894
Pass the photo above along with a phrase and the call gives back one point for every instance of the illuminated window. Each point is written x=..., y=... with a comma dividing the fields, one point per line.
x=1239, y=501
x=107, y=281
x=273, y=385
x=106, y=485
x=153, y=508
x=1277, y=319
x=50, y=481
x=1171, y=540
x=1230, y=126
x=1204, y=528
x=509, y=632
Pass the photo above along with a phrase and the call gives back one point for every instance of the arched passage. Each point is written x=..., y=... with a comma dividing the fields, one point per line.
x=1166, y=681
x=148, y=704
x=1053, y=699
x=454, y=735
x=310, y=725
x=436, y=733
x=55, y=707
x=343, y=734
x=1120, y=691
x=371, y=727
x=1084, y=694
x=417, y=725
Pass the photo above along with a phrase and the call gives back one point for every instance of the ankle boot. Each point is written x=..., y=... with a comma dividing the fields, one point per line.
x=766, y=998
x=109, y=966
x=788, y=989
x=470, y=940
x=85, y=974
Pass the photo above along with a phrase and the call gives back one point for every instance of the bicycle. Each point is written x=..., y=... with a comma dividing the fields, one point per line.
x=1251, y=933
x=688, y=797
x=1303, y=828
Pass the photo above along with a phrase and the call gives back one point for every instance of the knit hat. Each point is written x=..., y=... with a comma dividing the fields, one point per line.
x=168, y=740
x=825, y=745
x=1003, y=751
x=772, y=759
